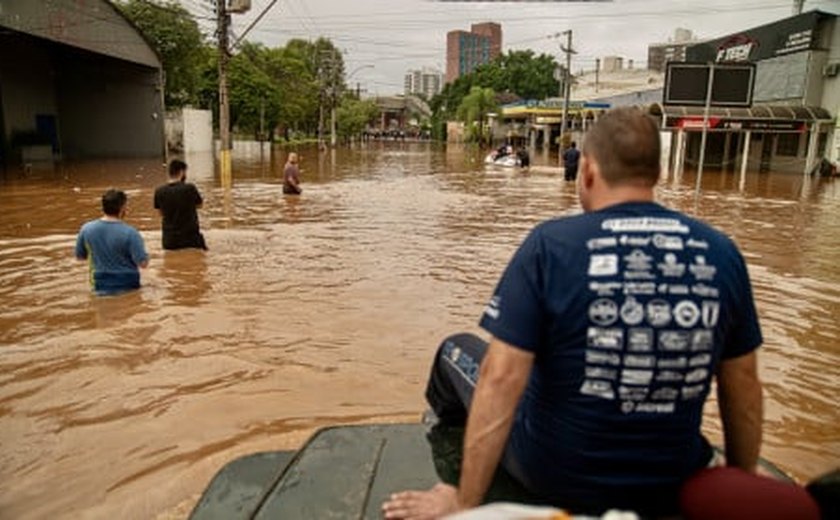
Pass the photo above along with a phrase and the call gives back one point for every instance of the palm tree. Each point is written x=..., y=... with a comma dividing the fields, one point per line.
x=474, y=109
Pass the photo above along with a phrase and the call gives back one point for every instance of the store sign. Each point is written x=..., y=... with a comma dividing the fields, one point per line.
x=794, y=34
x=718, y=123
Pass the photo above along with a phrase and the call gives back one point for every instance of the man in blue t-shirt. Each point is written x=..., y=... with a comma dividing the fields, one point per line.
x=114, y=250
x=608, y=328
x=571, y=159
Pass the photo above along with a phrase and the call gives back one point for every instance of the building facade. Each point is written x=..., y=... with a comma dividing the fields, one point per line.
x=427, y=82
x=661, y=53
x=796, y=97
x=467, y=50
x=79, y=79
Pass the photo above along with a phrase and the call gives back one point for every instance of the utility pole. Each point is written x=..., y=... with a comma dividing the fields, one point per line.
x=223, y=21
x=597, y=70
x=797, y=6
x=567, y=86
x=333, y=89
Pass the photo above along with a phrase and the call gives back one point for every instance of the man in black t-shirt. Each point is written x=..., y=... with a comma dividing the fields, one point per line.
x=177, y=202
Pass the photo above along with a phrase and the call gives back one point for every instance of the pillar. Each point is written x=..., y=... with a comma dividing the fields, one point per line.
x=813, y=138
x=745, y=159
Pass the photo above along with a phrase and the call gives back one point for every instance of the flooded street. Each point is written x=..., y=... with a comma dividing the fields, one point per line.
x=326, y=309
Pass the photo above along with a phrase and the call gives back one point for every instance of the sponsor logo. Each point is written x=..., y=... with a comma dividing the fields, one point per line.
x=632, y=393
x=603, y=311
x=670, y=267
x=673, y=243
x=632, y=312
x=603, y=265
x=646, y=288
x=677, y=362
x=641, y=224
x=602, y=389
x=636, y=377
x=669, y=376
x=634, y=241
x=701, y=340
x=673, y=341
x=700, y=360
x=655, y=407
x=686, y=314
x=605, y=288
x=639, y=361
x=601, y=243
x=696, y=375
x=696, y=244
x=603, y=358
x=639, y=339
x=711, y=313
x=666, y=393
x=705, y=291
x=701, y=270
x=693, y=392
x=658, y=313
x=612, y=339
x=601, y=373
x=637, y=260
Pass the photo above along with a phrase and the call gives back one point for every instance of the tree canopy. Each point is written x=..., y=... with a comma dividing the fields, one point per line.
x=175, y=36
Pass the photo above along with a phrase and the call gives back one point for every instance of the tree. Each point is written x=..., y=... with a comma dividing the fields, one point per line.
x=254, y=97
x=354, y=115
x=474, y=110
x=175, y=36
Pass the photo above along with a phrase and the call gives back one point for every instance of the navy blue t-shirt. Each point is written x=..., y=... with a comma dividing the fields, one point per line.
x=628, y=311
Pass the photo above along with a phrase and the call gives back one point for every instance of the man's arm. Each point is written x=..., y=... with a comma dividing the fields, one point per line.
x=501, y=382
x=741, y=410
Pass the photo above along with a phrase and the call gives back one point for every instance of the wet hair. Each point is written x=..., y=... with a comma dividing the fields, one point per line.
x=574, y=144
x=625, y=144
x=113, y=202
x=176, y=166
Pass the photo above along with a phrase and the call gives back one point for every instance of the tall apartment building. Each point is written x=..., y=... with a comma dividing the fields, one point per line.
x=467, y=50
x=674, y=50
x=426, y=81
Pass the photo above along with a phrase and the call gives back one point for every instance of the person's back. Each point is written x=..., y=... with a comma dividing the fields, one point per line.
x=638, y=298
x=177, y=202
x=113, y=249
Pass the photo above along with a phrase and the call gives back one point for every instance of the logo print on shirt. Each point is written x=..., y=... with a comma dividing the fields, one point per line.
x=603, y=312
x=701, y=340
x=671, y=267
x=603, y=265
x=697, y=244
x=632, y=312
x=661, y=241
x=637, y=260
x=492, y=308
x=711, y=313
x=658, y=313
x=686, y=314
x=701, y=270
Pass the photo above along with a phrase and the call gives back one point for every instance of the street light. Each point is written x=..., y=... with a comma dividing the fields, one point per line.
x=357, y=69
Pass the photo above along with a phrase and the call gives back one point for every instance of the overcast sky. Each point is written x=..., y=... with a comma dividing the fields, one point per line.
x=382, y=39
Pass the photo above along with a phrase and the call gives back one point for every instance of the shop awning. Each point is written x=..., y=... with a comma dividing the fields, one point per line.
x=759, y=116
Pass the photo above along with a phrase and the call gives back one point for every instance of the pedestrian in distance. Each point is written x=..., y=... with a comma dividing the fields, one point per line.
x=291, y=176
x=114, y=250
x=177, y=202
x=571, y=158
x=607, y=329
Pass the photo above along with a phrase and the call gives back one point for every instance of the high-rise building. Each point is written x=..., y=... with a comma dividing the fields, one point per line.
x=674, y=50
x=426, y=81
x=467, y=50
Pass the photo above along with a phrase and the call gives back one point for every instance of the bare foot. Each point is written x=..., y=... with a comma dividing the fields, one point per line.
x=439, y=501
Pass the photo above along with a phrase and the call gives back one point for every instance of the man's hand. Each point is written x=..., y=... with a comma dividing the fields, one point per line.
x=437, y=502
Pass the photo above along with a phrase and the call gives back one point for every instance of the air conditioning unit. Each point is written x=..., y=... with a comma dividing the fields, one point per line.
x=831, y=70
x=239, y=6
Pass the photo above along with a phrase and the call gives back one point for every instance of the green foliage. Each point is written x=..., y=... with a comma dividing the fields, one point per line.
x=474, y=109
x=515, y=75
x=354, y=115
x=175, y=35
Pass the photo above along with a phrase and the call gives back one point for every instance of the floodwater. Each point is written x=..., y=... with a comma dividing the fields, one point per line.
x=326, y=309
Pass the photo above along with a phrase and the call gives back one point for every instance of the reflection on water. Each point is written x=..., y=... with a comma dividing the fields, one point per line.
x=326, y=308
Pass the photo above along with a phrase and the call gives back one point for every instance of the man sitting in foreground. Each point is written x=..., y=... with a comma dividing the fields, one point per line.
x=607, y=328
x=113, y=249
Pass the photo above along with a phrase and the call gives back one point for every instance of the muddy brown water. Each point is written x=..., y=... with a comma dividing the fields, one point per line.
x=326, y=309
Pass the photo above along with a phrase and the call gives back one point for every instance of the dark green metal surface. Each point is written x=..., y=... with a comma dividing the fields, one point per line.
x=347, y=472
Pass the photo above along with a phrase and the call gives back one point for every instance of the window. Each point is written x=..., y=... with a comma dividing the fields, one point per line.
x=787, y=145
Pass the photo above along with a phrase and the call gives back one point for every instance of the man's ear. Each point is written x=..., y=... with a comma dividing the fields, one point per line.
x=587, y=171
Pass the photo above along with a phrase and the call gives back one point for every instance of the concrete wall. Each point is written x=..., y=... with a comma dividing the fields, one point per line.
x=198, y=130
x=831, y=88
x=108, y=107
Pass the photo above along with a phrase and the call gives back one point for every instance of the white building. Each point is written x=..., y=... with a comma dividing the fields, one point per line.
x=426, y=81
